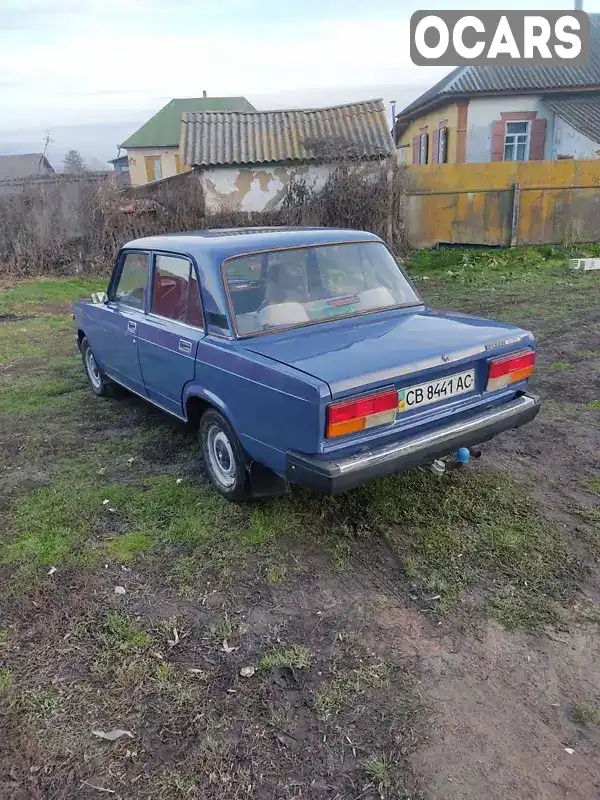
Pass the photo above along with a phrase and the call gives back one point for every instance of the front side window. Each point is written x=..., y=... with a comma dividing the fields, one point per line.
x=285, y=288
x=516, y=141
x=130, y=289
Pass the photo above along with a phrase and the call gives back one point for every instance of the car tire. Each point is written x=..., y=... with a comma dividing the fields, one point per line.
x=101, y=385
x=224, y=458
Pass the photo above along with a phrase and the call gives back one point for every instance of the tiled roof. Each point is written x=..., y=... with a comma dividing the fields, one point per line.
x=23, y=166
x=163, y=129
x=582, y=112
x=356, y=130
x=466, y=81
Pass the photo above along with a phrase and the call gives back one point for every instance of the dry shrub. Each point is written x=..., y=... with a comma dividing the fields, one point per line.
x=76, y=225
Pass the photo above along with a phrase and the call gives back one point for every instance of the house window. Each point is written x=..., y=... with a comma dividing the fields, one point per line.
x=420, y=147
x=441, y=151
x=402, y=154
x=423, y=148
x=153, y=168
x=516, y=141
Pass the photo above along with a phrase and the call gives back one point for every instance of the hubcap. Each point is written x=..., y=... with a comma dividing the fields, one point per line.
x=92, y=369
x=220, y=456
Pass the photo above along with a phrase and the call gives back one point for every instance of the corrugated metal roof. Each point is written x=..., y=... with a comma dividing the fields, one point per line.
x=476, y=80
x=164, y=128
x=23, y=166
x=357, y=130
x=582, y=112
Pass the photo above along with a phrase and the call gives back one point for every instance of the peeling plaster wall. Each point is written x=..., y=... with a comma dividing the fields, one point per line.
x=257, y=188
x=569, y=142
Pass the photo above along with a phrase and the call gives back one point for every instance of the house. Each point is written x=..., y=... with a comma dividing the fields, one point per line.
x=121, y=173
x=247, y=159
x=478, y=114
x=153, y=150
x=24, y=166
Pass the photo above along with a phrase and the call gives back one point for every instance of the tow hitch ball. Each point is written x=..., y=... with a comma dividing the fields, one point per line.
x=463, y=456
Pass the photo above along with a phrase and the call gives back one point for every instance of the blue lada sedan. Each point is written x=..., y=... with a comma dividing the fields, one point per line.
x=303, y=355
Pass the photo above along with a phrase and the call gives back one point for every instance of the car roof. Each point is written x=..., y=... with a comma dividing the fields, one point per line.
x=226, y=242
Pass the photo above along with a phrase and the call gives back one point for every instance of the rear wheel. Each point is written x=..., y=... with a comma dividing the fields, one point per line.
x=101, y=385
x=223, y=457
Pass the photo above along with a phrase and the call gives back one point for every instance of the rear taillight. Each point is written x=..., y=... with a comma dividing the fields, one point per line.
x=362, y=413
x=510, y=369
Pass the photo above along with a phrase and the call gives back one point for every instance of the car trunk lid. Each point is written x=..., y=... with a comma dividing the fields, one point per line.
x=401, y=349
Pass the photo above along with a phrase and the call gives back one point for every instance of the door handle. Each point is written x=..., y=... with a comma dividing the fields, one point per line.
x=185, y=346
x=131, y=327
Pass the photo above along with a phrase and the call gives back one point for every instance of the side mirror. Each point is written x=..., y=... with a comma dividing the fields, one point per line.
x=99, y=298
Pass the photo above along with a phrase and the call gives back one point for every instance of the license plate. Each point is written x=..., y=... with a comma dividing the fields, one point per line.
x=441, y=389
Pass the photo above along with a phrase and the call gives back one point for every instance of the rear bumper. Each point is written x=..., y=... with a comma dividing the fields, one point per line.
x=347, y=473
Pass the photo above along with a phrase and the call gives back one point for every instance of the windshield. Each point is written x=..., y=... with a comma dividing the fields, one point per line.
x=284, y=288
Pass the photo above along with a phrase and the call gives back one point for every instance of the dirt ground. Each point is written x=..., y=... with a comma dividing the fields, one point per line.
x=400, y=641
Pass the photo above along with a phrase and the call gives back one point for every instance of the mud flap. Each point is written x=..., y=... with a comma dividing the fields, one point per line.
x=266, y=483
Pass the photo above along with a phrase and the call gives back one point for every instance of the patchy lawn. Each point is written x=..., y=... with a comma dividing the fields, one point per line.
x=418, y=637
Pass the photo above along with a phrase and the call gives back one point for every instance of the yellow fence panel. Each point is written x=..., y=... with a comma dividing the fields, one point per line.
x=503, y=203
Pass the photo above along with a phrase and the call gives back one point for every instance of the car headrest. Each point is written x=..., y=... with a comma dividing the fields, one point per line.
x=281, y=314
x=375, y=298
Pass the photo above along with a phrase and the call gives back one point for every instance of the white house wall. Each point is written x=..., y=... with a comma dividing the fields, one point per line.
x=257, y=188
x=484, y=111
x=569, y=142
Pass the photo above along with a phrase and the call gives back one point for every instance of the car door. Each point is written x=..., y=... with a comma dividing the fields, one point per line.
x=170, y=331
x=124, y=312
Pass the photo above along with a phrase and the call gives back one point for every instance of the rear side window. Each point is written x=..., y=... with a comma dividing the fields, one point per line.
x=175, y=292
x=133, y=278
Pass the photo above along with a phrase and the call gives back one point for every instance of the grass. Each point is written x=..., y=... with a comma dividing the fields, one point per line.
x=593, y=406
x=6, y=680
x=561, y=366
x=593, y=481
x=471, y=544
x=129, y=547
x=34, y=337
x=20, y=398
x=377, y=769
x=347, y=688
x=32, y=296
x=276, y=573
x=585, y=714
x=496, y=265
x=125, y=633
x=296, y=657
x=225, y=628
x=38, y=704
x=451, y=535
x=466, y=530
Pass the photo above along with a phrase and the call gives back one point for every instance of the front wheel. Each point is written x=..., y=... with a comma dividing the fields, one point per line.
x=223, y=457
x=101, y=385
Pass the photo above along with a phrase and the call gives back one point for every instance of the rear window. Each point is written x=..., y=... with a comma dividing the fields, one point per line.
x=285, y=288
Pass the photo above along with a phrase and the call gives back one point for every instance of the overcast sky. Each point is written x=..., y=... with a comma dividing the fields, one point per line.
x=92, y=71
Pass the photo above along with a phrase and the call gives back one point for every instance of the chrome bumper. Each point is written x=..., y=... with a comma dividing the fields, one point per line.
x=347, y=473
